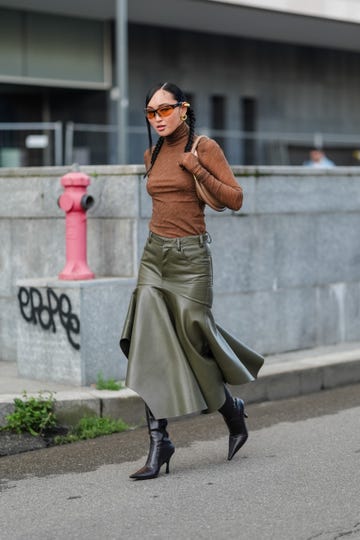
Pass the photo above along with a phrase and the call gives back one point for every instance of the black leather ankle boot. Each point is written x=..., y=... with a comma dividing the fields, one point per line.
x=234, y=415
x=161, y=449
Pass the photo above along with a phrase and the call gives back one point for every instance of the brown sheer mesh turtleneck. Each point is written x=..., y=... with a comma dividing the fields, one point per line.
x=177, y=210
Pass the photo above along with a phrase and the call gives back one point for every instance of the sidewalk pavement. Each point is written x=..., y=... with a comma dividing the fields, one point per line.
x=283, y=376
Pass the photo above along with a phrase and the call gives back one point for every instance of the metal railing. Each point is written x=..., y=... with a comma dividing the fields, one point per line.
x=31, y=144
x=40, y=144
x=97, y=144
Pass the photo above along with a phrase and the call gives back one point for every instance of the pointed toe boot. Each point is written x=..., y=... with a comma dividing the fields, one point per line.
x=238, y=433
x=160, y=452
x=234, y=415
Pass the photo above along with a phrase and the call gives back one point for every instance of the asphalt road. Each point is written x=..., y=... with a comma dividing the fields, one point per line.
x=297, y=478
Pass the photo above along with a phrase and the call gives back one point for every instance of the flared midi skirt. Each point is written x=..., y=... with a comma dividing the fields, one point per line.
x=178, y=357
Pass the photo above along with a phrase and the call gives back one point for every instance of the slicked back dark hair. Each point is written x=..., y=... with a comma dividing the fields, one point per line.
x=178, y=96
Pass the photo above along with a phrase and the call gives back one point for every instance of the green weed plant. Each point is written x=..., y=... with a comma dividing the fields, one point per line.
x=92, y=427
x=109, y=384
x=32, y=414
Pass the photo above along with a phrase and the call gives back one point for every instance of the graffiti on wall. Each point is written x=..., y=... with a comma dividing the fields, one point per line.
x=48, y=311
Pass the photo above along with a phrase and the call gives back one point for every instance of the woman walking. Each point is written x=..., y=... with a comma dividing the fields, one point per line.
x=179, y=359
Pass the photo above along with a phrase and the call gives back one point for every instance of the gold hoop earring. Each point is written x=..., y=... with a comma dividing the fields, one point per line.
x=183, y=117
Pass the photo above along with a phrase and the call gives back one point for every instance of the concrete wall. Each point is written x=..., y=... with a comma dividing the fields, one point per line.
x=297, y=89
x=287, y=266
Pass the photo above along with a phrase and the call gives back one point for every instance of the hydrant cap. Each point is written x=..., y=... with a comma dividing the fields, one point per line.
x=75, y=179
x=66, y=202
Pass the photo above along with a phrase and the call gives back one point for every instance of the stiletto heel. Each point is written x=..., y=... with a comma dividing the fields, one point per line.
x=160, y=452
x=234, y=415
x=237, y=428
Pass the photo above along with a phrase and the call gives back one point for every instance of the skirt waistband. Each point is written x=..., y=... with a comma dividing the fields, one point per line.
x=200, y=240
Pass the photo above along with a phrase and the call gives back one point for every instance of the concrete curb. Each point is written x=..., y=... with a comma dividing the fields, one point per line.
x=304, y=376
x=72, y=405
x=277, y=380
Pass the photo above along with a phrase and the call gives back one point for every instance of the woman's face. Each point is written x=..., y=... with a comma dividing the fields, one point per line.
x=165, y=125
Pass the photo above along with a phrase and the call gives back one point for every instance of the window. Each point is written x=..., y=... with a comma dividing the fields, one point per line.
x=248, y=124
x=218, y=118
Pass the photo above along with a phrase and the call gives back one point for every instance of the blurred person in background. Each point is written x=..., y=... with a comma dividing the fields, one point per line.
x=318, y=160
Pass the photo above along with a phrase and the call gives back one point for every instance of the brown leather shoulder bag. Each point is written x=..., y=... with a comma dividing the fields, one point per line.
x=204, y=194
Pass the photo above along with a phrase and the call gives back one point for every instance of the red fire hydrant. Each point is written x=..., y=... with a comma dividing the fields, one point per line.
x=75, y=202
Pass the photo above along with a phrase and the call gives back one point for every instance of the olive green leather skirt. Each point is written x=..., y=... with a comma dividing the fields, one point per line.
x=178, y=357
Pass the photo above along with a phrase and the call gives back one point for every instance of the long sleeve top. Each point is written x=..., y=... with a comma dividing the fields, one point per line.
x=176, y=209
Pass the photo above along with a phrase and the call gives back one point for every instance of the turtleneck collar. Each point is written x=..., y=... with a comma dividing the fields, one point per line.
x=179, y=134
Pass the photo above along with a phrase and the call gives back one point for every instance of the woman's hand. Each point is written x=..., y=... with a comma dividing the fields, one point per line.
x=189, y=162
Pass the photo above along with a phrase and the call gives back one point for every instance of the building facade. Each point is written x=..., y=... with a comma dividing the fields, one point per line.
x=269, y=79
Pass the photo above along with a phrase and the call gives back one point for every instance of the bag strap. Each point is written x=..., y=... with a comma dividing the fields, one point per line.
x=196, y=142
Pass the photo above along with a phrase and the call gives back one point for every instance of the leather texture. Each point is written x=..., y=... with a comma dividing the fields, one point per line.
x=178, y=357
x=238, y=433
x=160, y=451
